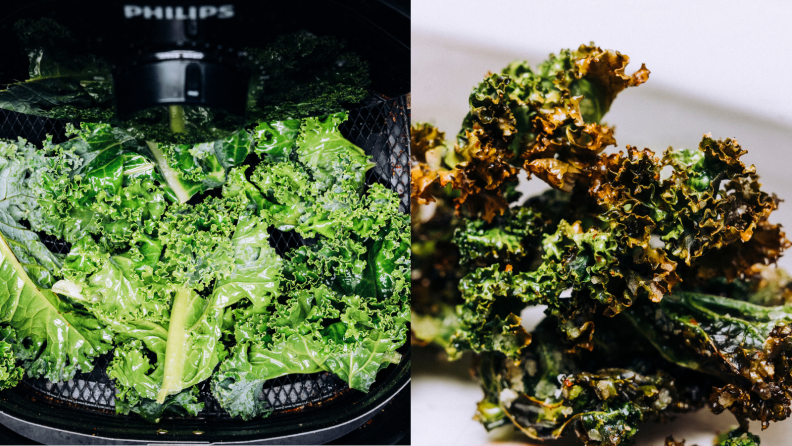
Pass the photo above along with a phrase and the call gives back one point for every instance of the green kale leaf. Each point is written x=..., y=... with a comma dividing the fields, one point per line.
x=10, y=373
x=59, y=338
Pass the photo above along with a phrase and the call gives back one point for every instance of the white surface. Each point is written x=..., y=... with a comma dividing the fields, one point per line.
x=732, y=53
x=715, y=69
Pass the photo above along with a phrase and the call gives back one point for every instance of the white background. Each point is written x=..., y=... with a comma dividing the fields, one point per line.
x=716, y=67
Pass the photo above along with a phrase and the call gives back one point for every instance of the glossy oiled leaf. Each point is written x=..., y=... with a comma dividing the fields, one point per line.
x=237, y=385
x=185, y=344
x=306, y=75
x=61, y=341
x=138, y=390
x=184, y=173
x=197, y=163
x=80, y=96
x=321, y=146
x=10, y=373
x=358, y=364
x=276, y=140
x=62, y=84
x=345, y=303
x=232, y=151
x=180, y=327
x=98, y=145
x=181, y=276
x=60, y=87
x=21, y=170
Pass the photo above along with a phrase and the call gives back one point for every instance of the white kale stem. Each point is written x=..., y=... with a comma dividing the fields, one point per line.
x=168, y=174
x=172, y=382
x=176, y=117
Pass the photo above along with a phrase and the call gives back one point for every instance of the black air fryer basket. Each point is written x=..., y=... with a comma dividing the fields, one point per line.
x=307, y=409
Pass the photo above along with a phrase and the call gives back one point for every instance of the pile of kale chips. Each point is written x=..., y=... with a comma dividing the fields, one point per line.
x=170, y=266
x=654, y=267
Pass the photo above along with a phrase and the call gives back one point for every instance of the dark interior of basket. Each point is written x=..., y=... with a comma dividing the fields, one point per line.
x=380, y=126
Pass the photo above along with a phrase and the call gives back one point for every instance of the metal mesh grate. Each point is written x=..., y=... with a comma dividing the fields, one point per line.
x=33, y=128
x=380, y=127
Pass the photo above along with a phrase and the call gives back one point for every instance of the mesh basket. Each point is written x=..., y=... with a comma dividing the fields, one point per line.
x=380, y=127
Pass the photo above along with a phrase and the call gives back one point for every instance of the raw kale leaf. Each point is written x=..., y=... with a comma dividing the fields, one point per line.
x=306, y=75
x=59, y=339
x=184, y=283
x=276, y=140
x=346, y=311
x=64, y=82
x=237, y=385
x=10, y=373
x=332, y=158
x=345, y=305
x=179, y=326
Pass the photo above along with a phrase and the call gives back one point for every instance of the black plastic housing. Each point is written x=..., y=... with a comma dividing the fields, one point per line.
x=181, y=82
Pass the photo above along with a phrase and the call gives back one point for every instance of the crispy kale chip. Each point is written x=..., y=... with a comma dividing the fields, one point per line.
x=632, y=235
x=745, y=345
x=602, y=395
x=436, y=267
x=545, y=121
x=671, y=251
x=689, y=351
x=10, y=372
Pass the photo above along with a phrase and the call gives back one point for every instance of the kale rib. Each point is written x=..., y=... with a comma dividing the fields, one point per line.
x=168, y=174
x=174, y=350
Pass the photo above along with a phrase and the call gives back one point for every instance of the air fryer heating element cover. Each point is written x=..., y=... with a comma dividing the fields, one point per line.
x=308, y=409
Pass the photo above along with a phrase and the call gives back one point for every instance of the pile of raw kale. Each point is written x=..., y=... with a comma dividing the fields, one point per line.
x=654, y=268
x=170, y=266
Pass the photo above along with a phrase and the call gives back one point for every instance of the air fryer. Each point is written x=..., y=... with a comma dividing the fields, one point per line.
x=172, y=61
